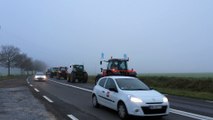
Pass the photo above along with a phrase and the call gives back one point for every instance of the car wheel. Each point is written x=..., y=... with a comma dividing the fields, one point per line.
x=122, y=111
x=95, y=101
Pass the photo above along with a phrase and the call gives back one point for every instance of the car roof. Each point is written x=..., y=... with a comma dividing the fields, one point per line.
x=115, y=77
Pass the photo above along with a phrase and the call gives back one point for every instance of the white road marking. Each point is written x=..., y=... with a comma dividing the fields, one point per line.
x=84, y=89
x=209, y=101
x=36, y=90
x=190, y=115
x=179, y=112
x=48, y=99
x=72, y=117
x=31, y=85
x=28, y=80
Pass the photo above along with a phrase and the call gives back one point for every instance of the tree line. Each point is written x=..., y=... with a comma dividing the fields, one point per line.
x=12, y=57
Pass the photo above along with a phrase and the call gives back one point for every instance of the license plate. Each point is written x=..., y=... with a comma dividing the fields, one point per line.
x=155, y=107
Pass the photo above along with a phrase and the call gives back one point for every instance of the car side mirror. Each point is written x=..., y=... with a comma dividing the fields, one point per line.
x=113, y=89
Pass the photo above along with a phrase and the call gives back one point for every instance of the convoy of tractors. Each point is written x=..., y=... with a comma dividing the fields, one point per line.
x=77, y=73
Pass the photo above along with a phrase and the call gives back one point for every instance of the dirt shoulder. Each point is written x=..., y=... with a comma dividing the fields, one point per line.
x=11, y=83
x=17, y=102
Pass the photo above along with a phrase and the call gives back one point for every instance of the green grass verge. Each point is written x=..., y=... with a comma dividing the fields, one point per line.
x=91, y=79
x=12, y=77
x=193, y=75
x=186, y=93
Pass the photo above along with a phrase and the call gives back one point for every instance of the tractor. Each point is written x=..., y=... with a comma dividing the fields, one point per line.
x=62, y=72
x=53, y=71
x=77, y=74
x=116, y=66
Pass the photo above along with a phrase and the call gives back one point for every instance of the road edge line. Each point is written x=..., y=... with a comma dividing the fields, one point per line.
x=84, y=89
x=72, y=117
x=36, y=90
x=48, y=99
x=190, y=115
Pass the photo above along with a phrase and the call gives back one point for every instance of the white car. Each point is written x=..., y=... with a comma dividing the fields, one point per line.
x=40, y=76
x=129, y=96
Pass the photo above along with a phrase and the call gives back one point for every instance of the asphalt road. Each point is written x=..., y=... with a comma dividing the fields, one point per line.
x=73, y=101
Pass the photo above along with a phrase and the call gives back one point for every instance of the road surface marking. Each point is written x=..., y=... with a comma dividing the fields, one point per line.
x=84, y=89
x=191, y=115
x=28, y=80
x=36, y=90
x=179, y=112
x=31, y=85
x=72, y=117
x=209, y=101
x=48, y=99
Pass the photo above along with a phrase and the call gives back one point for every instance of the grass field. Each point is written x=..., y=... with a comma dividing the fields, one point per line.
x=12, y=77
x=193, y=75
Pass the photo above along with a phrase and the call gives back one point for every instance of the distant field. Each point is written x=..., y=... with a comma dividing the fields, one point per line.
x=194, y=75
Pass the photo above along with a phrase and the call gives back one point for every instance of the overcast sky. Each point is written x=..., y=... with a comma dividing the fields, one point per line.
x=159, y=36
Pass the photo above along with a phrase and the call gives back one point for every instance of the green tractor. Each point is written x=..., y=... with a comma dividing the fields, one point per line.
x=77, y=74
x=53, y=72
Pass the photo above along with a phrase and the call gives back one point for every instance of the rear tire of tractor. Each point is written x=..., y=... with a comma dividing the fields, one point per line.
x=73, y=77
x=85, y=77
x=68, y=78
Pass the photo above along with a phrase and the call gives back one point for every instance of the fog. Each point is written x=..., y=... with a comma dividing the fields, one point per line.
x=169, y=36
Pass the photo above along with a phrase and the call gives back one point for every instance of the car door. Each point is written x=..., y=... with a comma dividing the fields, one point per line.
x=100, y=91
x=111, y=94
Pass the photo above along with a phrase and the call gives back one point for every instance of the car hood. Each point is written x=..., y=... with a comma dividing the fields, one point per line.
x=148, y=96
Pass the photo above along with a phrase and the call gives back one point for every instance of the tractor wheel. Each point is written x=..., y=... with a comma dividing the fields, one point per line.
x=85, y=77
x=58, y=76
x=73, y=77
x=65, y=77
x=68, y=78
x=97, y=78
x=51, y=75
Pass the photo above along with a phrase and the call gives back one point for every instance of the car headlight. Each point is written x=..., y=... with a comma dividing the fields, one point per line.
x=135, y=100
x=165, y=99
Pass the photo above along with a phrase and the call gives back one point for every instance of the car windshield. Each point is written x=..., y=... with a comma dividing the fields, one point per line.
x=39, y=73
x=131, y=84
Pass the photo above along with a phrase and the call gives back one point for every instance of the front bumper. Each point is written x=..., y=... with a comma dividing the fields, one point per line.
x=40, y=79
x=144, y=109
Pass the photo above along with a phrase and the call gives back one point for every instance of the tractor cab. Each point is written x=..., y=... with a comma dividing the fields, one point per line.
x=116, y=66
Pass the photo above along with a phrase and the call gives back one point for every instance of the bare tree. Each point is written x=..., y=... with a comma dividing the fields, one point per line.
x=21, y=61
x=28, y=65
x=8, y=56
